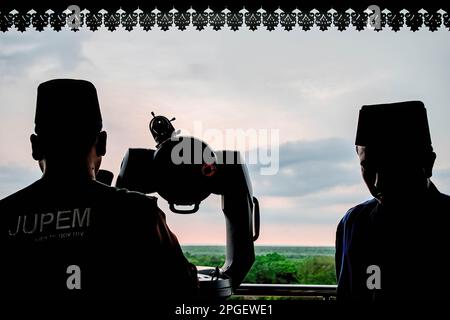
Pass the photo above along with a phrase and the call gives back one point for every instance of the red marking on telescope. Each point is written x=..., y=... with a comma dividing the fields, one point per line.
x=209, y=169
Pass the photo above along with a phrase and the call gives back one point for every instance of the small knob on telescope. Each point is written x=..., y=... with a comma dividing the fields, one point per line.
x=161, y=128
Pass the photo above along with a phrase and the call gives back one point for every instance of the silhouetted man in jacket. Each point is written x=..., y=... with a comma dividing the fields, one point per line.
x=67, y=235
x=391, y=247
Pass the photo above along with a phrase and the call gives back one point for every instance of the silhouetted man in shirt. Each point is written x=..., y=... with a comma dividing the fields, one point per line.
x=391, y=247
x=67, y=235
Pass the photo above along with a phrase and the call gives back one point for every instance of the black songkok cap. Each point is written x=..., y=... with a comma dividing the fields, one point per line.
x=67, y=106
x=387, y=125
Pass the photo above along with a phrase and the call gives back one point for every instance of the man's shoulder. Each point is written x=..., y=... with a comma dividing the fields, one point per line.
x=103, y=193
x=19, y=196
x=125, y=195
x=445, y=199
x=359, y=210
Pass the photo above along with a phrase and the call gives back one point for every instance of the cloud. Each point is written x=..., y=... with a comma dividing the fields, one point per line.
x=36, y=55
x=307, y=167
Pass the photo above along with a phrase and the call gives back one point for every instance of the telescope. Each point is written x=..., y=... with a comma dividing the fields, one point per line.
x=184, y=171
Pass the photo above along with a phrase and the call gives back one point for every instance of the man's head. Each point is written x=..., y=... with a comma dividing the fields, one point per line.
x=394, y=147
x=68, y=125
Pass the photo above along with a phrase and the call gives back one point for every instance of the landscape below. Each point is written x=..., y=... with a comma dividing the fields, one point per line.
x=275, y=264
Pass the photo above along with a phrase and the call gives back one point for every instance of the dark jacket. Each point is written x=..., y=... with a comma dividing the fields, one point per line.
x=408, y=242
x=119, y=240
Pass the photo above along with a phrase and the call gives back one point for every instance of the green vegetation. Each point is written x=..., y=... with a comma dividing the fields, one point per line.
x=282, y=265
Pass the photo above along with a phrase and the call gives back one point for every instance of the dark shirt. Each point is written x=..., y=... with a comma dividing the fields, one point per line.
x=408, y=242
x=118, y=239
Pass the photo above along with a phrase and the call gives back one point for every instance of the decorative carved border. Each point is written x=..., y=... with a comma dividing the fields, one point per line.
x=225, y=19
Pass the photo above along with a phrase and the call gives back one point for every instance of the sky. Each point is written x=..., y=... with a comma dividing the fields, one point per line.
x=306, y=86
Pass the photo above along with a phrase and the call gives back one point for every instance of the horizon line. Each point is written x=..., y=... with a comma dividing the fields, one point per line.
x=259, y=245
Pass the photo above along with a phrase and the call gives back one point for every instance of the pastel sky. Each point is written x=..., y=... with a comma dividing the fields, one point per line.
x=308, y=85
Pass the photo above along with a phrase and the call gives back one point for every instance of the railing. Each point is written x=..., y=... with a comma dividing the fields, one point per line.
x=324, y=292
